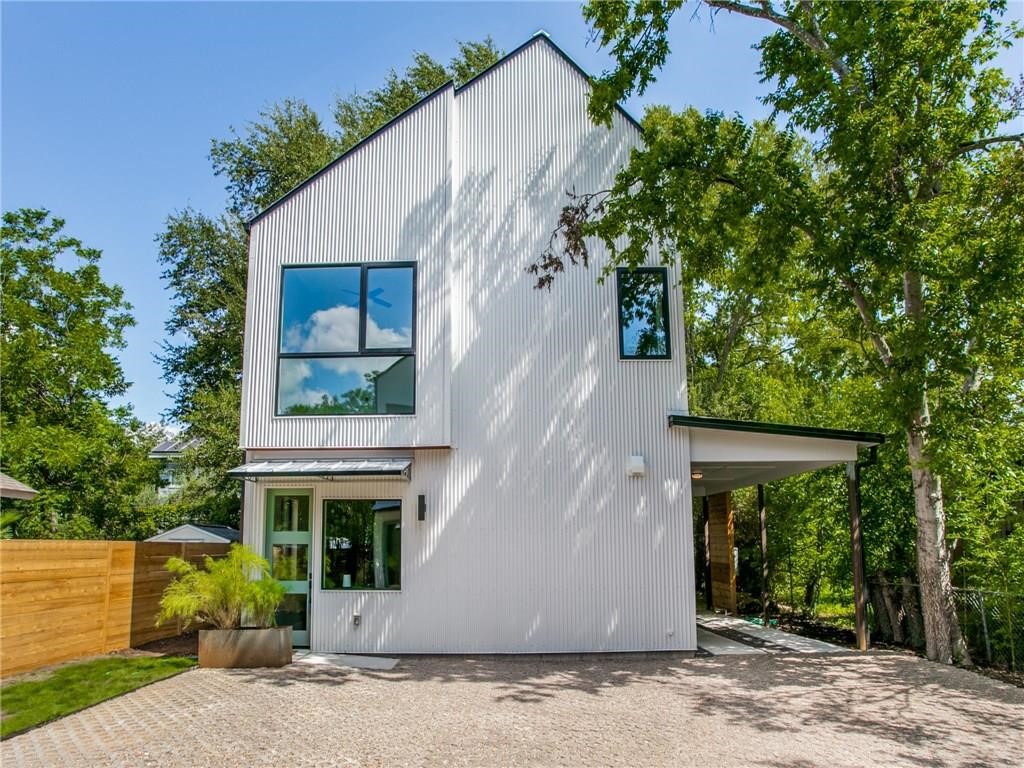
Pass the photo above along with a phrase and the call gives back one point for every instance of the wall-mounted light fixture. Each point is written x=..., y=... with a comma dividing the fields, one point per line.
x=356, y=619
x=635, y=466
x=421, y=508
x=696, y=475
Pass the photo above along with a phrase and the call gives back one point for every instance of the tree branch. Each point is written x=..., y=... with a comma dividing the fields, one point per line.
x=867, y=316
x=812, y=38
x=972, y=380
x=971, y=146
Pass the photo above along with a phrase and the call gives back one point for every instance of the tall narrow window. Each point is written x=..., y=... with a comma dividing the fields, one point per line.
x=643, y=314
x=347, y=340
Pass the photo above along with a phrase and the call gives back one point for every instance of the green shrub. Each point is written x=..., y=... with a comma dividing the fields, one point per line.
x=224, y=592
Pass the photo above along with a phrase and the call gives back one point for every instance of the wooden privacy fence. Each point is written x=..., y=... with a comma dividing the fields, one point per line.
x=60, y=600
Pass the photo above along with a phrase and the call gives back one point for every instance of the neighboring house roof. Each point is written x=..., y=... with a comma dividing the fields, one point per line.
x=173, y=448
x=218, y=534
x=13, y=489
x=537, y=37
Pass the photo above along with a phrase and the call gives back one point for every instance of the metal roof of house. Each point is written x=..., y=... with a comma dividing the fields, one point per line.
x=183, y=533
x=224, y=531
x=173, y=447
x=391, y=468
x=13, y=489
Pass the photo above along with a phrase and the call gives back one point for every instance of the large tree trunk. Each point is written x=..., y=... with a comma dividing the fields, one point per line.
x=943, y=640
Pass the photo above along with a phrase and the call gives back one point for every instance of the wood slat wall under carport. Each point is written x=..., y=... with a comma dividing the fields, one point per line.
x=61, y=600
x=721, y=536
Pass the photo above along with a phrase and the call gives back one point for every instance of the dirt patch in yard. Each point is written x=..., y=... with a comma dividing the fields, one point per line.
x=182, y=645
x=818, y=630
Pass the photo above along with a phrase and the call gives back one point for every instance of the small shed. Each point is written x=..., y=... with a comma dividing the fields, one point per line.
x=12, y=489
x=193, y=532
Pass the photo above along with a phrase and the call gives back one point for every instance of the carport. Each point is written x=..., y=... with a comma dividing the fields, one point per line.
x=727, y=454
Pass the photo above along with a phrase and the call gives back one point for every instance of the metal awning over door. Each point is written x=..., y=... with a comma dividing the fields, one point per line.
x=354, y=469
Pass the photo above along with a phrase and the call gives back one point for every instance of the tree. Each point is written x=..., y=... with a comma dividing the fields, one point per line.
x=205, y=264
x=58, y=328
x=905, y=213
x=359, y=115
x=205, y=259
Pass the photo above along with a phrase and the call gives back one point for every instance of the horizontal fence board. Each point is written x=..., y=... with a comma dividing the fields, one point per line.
x=61, y=600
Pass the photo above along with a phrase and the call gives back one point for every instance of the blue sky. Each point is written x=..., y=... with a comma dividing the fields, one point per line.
x=108, y=108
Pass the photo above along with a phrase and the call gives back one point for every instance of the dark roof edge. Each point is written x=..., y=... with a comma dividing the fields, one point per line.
x=397, y=118
x=350, y=151
x=767, y=428
x=322, y=473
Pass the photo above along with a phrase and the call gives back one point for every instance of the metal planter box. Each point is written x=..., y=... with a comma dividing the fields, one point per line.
x=245, y=648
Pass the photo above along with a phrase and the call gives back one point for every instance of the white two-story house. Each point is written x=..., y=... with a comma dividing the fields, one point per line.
x=440, y=458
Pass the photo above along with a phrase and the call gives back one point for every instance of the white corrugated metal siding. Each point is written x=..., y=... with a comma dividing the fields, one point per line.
x=535, y=538
x=389, y=200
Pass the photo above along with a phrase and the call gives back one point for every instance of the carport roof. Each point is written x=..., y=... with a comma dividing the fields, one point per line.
x=866, y=439
x=726, y=454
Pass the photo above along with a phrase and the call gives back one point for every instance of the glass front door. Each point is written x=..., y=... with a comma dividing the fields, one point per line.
x=289, y=538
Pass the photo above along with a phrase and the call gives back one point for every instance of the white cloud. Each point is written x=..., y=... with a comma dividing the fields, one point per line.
x=386, y=338
x=337, y=330
x=292, y=384
x=357, y=365
x=327, y=330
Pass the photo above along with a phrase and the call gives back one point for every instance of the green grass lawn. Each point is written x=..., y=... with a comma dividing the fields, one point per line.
x=77, y=686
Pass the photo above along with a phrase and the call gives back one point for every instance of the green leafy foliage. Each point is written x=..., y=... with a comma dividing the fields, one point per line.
x=277, y=152
x=360, y=114
x=59, y=327
x=205, y=264
x=57, y=324
x=881, y=262
x=224, y=593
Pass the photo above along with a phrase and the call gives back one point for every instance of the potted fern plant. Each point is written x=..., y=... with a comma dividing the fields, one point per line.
x=237, y=597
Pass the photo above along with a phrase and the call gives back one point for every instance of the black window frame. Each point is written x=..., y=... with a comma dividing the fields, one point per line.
x=323, y=544
x=363, y=350
x=663, y=271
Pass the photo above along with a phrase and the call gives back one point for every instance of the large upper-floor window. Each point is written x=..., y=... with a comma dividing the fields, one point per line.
x=347, y=340
x=643, y=313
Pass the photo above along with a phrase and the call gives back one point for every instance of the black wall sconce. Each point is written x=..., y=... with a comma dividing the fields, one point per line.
x=421, y=508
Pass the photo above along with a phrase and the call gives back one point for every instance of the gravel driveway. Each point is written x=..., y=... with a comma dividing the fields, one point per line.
x=765, y=710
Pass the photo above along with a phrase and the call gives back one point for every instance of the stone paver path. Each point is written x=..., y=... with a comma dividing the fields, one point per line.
x=758, y=710
x=731, y=634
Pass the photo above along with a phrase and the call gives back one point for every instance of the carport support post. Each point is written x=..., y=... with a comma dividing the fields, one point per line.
x=763, y=518
x=706, y=517
x=857, y=541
